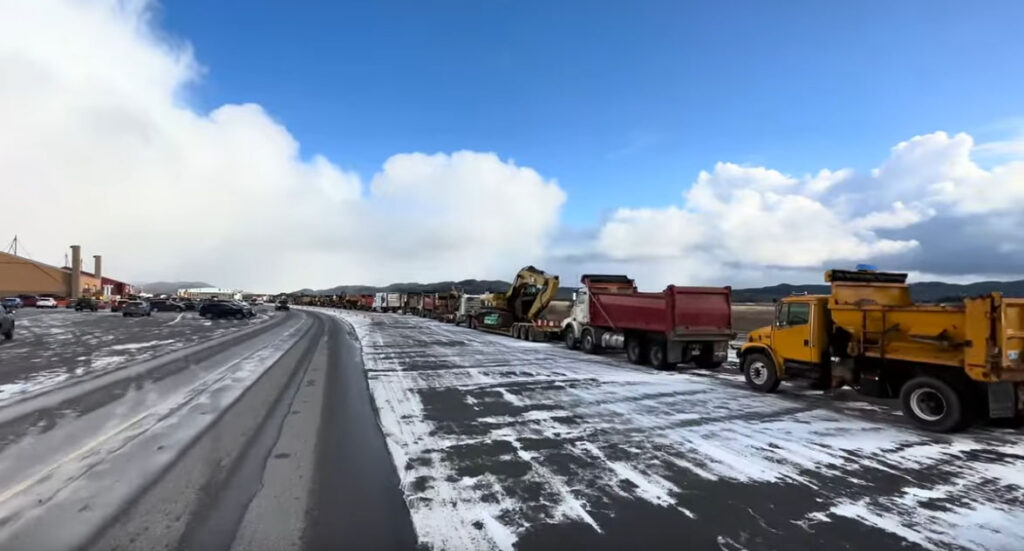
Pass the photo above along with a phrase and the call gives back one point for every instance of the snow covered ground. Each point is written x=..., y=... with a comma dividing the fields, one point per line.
x=503, y=443
x=53, y=347
x=74, y=458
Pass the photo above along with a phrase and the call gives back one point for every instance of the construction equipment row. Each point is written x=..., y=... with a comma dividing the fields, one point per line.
x=949, y=365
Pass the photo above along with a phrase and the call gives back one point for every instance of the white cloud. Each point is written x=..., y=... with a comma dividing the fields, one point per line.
x=98, y=146
x=744, y=215
x=737, y=219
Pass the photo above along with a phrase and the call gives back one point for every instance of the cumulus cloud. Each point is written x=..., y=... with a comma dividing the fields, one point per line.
x=100, y=148
x=928, y=208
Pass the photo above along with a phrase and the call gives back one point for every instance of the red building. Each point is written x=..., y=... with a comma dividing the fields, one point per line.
x=118, y=288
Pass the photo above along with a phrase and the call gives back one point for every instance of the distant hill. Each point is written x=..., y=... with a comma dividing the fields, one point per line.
x=471, y=286
x=170, y=287
x=925, y=291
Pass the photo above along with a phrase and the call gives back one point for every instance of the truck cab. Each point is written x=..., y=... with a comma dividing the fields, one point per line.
x=795, y=344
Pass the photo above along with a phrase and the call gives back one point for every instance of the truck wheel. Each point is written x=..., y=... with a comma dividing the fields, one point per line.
x=587, y=341
x=760, y=372
x=656, y=355
x=635, y=352
x=570, y=339
x=934, y=405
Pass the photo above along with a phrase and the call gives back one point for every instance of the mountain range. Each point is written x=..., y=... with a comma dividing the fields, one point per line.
x=470, y=286
x=170, y=287
x=925, y=291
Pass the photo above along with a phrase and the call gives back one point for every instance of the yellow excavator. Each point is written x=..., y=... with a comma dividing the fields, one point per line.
x=517, y=312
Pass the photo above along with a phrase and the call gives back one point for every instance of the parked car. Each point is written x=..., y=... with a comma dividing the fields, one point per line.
x=28, y=301
x=6, y=324
x=282, y=305
x=136, y=308
x=46, y=302
x=249, y=312
x=86, y=304
x=12, y=303
x=224, y=309
x=117, y=305
x=188, y=304
x=162, y=305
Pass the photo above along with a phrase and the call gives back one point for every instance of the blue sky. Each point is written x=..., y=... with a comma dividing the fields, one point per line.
x=610, y=111
x=622, y=102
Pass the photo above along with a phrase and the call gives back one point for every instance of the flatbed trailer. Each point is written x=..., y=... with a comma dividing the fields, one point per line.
x=547, y=326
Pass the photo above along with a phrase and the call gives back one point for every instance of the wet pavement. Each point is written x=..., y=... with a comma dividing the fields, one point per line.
x=504, y=444
x=56, y=346
x=322, y=429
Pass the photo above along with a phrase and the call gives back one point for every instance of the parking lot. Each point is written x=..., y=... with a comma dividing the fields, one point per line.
x=53, y=346
x=504, y=444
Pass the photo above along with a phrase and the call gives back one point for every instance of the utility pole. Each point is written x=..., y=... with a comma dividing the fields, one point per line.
x=12, y=247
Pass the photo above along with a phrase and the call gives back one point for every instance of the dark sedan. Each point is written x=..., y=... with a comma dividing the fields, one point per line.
x=161, y=305
x=215, y=310
x=86, y=304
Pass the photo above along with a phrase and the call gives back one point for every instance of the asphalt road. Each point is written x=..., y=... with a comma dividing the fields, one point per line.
x=320, y=429
x=507, y=444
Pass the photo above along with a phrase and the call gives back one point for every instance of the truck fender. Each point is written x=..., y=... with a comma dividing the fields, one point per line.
x=763, y=349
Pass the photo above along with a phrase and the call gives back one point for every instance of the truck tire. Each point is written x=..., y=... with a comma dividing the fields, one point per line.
x=934, y=405
x=760, y=372
x=656, y=354
x=588, y=342
x=570, y=339
x=635, y=350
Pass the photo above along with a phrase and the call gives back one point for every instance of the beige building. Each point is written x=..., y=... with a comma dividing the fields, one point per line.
x=22, y=276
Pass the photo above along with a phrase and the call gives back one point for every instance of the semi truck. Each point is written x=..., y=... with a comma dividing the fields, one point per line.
x=427, y=305
x=947, y=364
x=387, y=302
x=677, y=325
x=412, y=303
x=366, y=302
x=468, y=306
x=445, y=306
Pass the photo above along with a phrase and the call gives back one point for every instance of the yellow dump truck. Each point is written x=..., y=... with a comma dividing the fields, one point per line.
x=948, y=364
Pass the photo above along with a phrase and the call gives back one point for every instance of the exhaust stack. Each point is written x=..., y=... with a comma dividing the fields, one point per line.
x=76, y=272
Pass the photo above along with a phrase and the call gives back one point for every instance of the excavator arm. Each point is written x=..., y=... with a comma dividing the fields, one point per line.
x=527, y=279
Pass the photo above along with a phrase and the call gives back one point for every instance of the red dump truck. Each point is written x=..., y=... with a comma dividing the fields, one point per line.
x=677, y=325
x=366, y=302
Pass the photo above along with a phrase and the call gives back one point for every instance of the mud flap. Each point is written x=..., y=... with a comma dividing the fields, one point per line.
x=1002, y=400
x=675, y=352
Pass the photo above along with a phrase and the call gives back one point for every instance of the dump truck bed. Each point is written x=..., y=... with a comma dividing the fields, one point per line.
x=985, y=335
x=677, y=311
